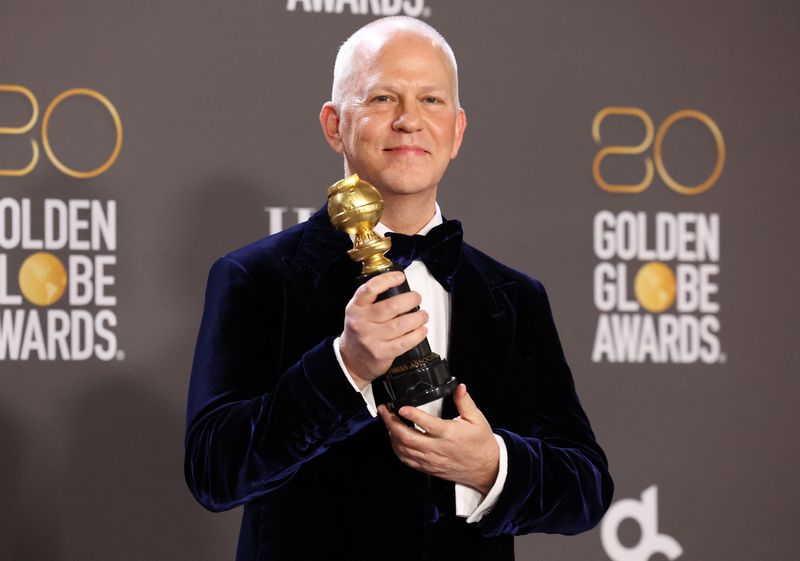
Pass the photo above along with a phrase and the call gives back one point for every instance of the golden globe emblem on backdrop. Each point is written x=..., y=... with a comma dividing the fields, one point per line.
x=655, y=286
x=42, y=278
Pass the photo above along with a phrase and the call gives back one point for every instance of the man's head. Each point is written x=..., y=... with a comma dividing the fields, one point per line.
x=394, y=113
x=372, y=34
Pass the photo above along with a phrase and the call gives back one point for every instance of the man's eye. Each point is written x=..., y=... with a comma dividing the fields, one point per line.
x=431, y=99
x=381, y=98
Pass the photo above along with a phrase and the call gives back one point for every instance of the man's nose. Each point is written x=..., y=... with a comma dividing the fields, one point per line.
x=408, y=118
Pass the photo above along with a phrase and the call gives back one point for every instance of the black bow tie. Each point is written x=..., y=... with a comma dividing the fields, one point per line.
x=439, y=249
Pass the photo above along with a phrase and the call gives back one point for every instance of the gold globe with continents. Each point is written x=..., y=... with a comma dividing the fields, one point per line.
x=419, y=375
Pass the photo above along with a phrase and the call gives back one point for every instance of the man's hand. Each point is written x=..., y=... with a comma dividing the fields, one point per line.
x=375, y=333
x=462, y=450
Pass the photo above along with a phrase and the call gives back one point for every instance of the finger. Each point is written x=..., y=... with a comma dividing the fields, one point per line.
x=408, y=341
x=404, y=437
x=368, y=292
x=467, y=409
x=396, y=305
x=385, y=415
x=393, y=424
x=404, y=324
x=410, y=454
x=433, y=426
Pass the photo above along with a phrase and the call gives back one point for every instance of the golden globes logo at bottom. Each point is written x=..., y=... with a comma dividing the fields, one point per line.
x=650, y=266
x=645, y=514
x=56, y=280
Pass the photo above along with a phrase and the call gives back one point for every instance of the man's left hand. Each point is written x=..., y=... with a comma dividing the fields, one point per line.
x=462, y=450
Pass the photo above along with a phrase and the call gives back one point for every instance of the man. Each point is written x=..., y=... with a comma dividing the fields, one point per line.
x=281, y=414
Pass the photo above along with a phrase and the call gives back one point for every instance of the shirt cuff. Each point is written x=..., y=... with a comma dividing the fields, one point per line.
x=366, y=393
x=470, y=503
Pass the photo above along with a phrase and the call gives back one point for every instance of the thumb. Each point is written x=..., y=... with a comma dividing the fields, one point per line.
x=466, y=407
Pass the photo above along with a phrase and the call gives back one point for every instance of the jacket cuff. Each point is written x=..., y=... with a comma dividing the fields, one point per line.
x=366, y=393
x=323, y=374
x=519, y=475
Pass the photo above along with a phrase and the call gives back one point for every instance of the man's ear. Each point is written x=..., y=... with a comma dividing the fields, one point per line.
x=329, y=120
x=461, y=125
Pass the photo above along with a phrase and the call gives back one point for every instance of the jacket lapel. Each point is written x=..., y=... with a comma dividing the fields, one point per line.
x=324, y=276
x=481, y=328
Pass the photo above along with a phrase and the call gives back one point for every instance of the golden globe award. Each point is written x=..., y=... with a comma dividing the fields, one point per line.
x=419, y=375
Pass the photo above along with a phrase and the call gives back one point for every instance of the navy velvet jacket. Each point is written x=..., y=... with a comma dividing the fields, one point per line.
x=274, y=425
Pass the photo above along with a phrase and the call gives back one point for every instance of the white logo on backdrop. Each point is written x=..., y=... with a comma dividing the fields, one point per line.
x=413, y=8
x=276, y=216
x=656, y=287
x=645, y=514
x=57, y=298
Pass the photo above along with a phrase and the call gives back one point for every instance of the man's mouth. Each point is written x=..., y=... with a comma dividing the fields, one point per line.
x=410, y=149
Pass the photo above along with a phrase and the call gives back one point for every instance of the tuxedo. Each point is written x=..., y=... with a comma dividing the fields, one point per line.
x=274, y=424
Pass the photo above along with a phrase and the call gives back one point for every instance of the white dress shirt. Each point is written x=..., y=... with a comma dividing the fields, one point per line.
x=470, y=503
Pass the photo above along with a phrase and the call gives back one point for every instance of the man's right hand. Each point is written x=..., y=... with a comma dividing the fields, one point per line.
x=375, y=333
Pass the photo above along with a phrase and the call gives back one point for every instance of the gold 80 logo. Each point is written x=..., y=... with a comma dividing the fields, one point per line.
x=48, y=148
x=656, y=140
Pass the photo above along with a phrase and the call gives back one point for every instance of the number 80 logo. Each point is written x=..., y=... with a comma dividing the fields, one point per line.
x=657, y=148
x=45, y=137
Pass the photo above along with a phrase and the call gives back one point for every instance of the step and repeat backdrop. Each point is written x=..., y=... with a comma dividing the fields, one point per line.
x=639, y=158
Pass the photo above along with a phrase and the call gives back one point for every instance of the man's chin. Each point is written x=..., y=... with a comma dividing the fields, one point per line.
x=404, y=185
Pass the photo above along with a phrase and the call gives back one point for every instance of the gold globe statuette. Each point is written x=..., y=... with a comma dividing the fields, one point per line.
x=417, y=376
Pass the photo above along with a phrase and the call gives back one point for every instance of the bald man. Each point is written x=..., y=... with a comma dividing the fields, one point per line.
x=283, y=415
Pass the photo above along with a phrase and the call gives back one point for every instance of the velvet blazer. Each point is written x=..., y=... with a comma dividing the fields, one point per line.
x=274, y=425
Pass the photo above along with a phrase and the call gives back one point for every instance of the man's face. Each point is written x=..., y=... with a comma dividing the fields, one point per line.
x=399, y=122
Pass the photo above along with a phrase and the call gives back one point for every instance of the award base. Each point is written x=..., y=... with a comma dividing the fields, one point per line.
x=419, y=375
x=423, y=384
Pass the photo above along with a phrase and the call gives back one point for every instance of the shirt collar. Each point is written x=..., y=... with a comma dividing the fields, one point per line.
x=382, y=229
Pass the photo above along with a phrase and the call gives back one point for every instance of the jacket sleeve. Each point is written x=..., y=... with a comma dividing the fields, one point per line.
x=557, y=479
x=251, y=421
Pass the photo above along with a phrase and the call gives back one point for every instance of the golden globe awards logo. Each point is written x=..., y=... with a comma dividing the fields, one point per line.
x=656, y=279
x=413, y=8
x=57, y=256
